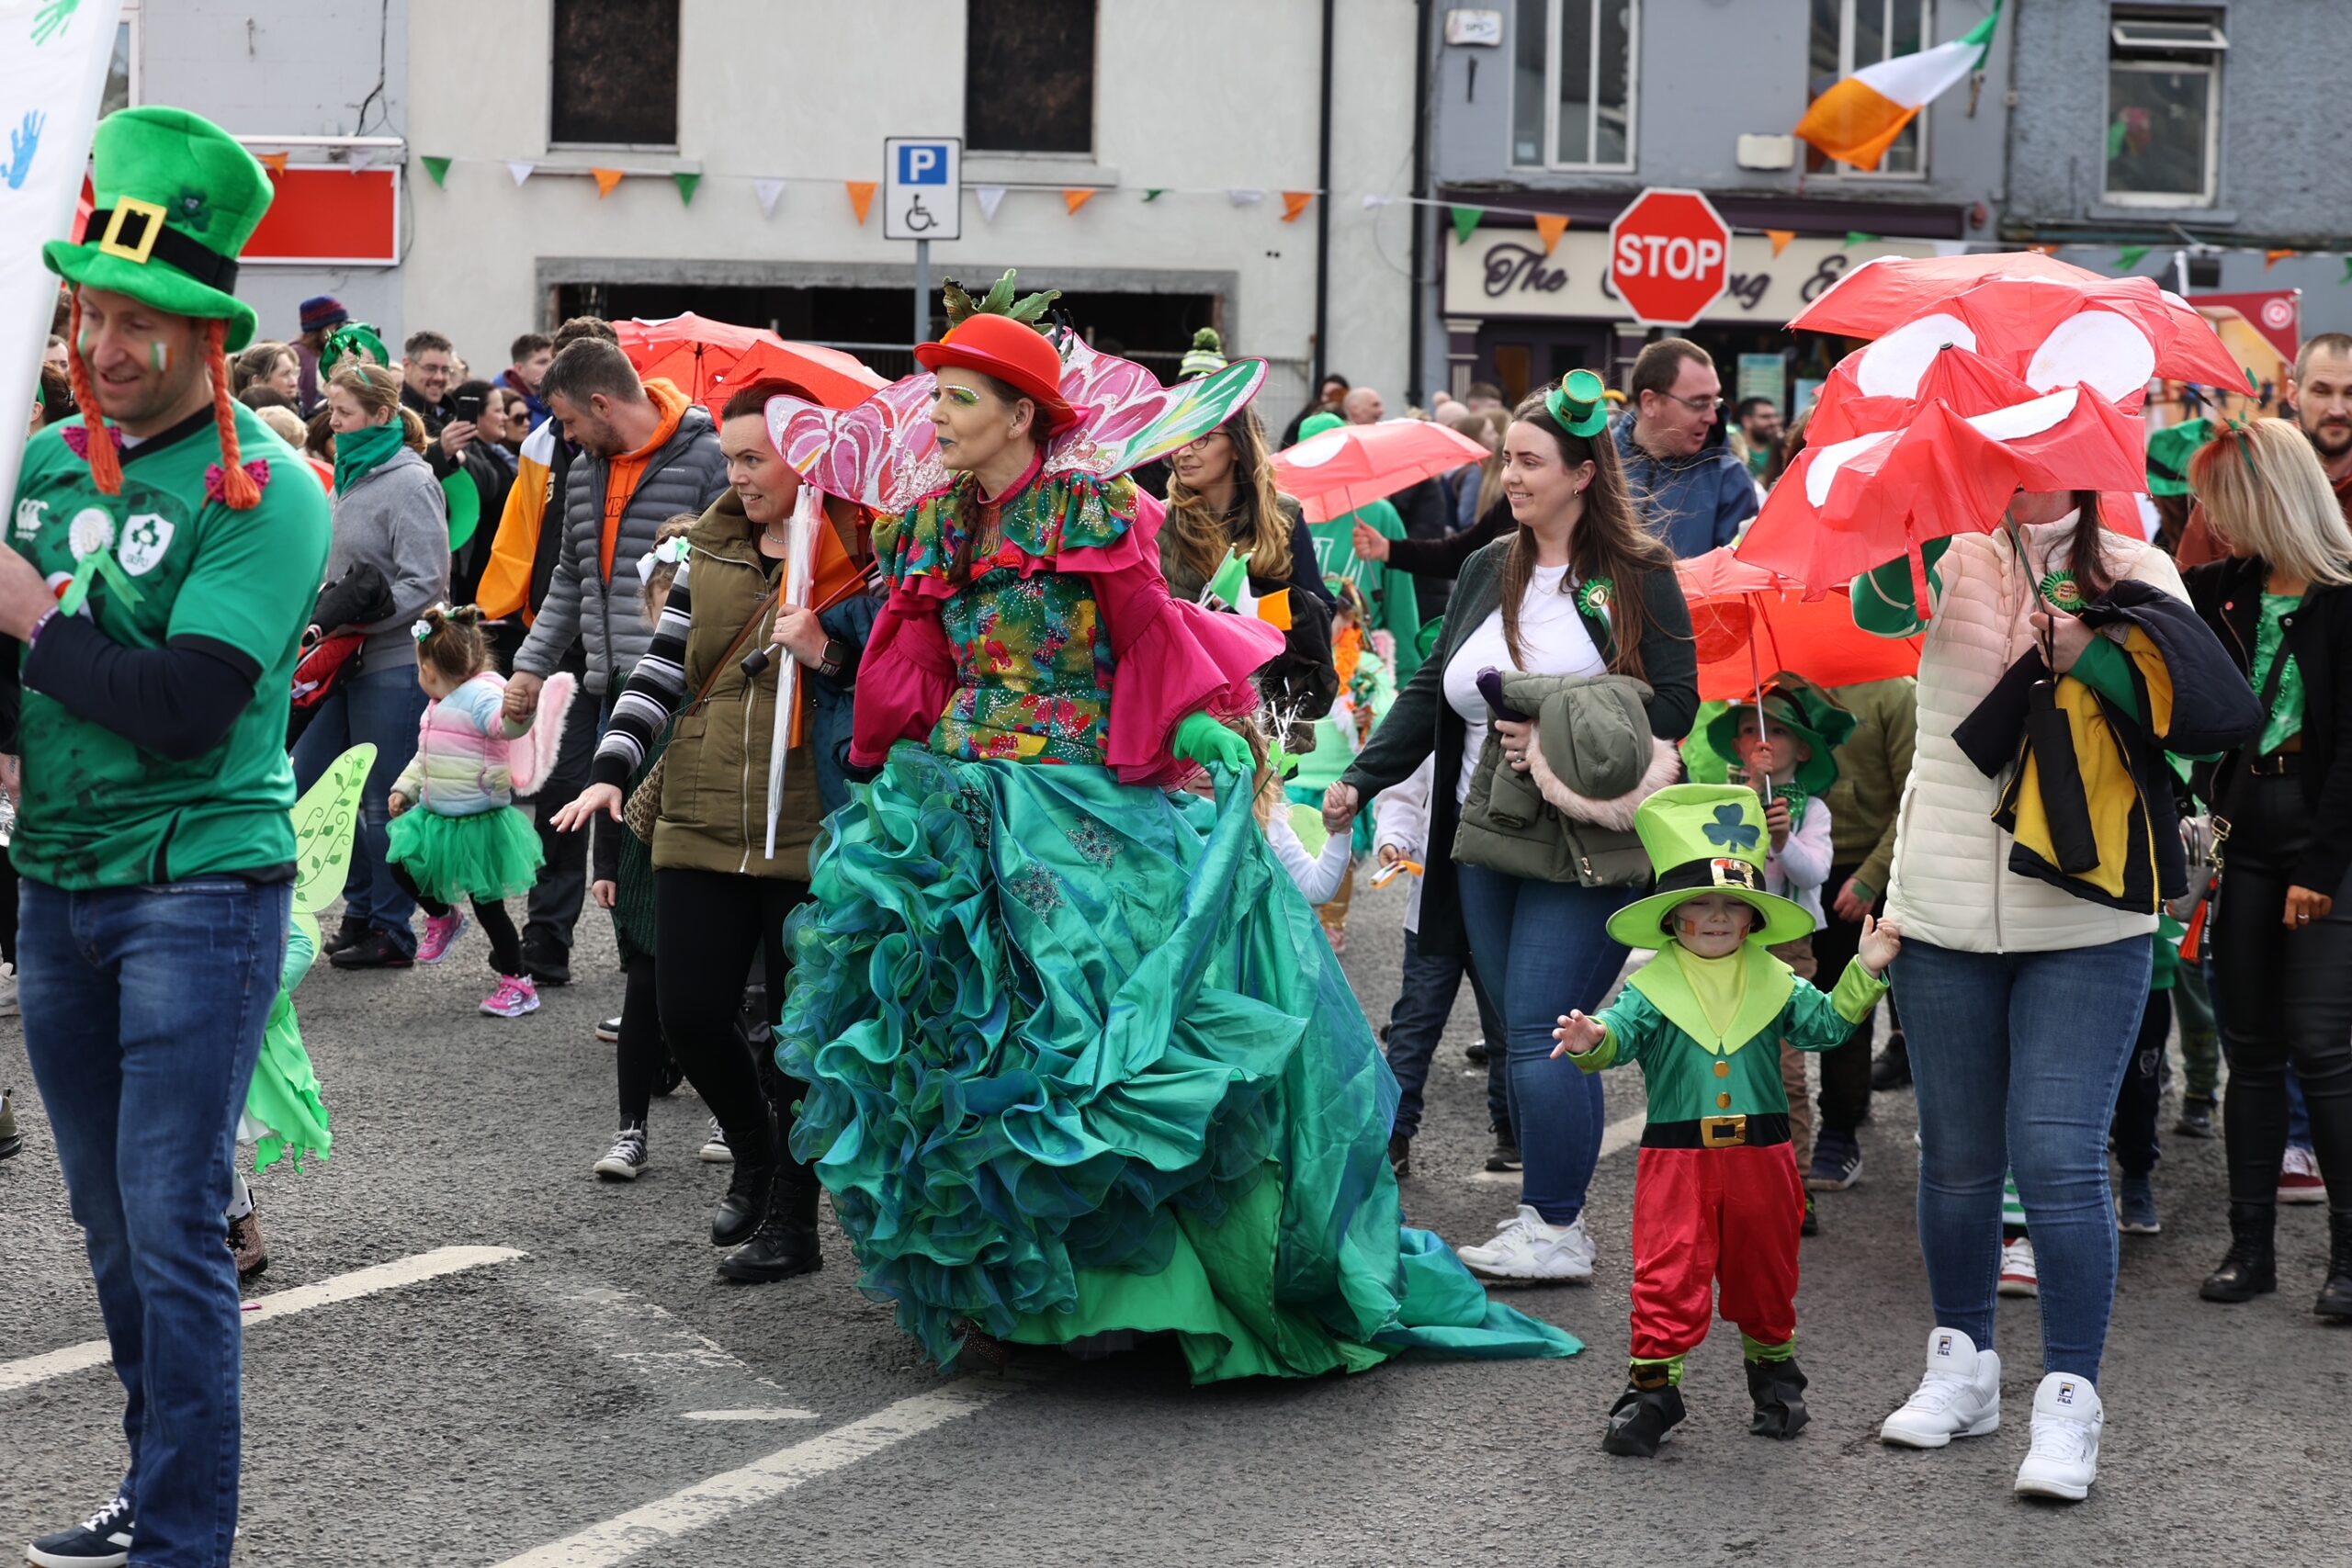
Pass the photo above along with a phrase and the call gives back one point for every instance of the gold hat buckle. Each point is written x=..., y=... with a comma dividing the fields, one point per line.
x=125, y=208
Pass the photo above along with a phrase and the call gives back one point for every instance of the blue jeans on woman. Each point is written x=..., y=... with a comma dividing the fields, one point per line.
x=144, y=1010
x=1542, y=949
x=2018, y=1058
x=382, y=707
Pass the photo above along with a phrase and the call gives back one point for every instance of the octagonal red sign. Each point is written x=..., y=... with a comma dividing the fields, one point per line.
x=1669, y=256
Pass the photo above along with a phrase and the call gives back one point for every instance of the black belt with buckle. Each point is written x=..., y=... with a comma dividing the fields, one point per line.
x=2278, y=765
x=1718, y=1132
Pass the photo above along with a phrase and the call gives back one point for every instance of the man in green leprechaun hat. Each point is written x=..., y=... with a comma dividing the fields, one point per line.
x=167, y=552
x=1718, y=1200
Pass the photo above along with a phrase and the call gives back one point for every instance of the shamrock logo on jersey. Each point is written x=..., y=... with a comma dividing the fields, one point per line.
x=144, y=541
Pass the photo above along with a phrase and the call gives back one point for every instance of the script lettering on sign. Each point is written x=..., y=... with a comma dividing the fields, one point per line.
x=1520, y=268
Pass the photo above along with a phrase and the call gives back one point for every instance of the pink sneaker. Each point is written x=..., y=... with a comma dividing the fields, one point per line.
x=441, y=934
x=515, y=997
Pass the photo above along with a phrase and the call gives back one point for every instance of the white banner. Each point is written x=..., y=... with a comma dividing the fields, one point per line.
x=53, y=58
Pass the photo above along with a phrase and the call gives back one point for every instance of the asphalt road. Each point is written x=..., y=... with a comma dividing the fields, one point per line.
x=540, y=1366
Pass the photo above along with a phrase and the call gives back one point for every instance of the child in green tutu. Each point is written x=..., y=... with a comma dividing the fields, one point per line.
x=467, y=841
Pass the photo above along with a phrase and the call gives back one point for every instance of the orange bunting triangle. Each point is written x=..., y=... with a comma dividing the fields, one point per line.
x=605, y=180
x=1550, y=225
x=1779, y=237
x=1077, y=197
x=275, y=162
x=2272, y=258
x=861, y=197
x=1295, y=202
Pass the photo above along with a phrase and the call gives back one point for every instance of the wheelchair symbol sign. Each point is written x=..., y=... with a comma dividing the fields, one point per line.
x=922, y=187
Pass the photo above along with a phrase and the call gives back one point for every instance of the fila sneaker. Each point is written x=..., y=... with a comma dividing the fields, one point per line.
x=1959, y=1397
x=2063, y=1461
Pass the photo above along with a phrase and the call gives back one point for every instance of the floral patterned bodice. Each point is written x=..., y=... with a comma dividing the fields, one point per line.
x=1032, y=655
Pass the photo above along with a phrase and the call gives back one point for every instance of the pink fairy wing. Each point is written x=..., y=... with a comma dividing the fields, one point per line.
x=882, y=454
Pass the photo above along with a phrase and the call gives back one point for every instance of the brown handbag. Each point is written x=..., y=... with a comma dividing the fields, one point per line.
x=643, y=808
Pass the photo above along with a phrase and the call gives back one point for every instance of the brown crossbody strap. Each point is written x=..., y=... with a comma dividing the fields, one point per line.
x=750, y=625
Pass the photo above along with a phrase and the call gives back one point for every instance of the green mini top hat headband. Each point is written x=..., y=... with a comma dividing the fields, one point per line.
x=1580, y=403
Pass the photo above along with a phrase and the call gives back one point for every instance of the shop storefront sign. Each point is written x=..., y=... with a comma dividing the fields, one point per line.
x=1505, y=273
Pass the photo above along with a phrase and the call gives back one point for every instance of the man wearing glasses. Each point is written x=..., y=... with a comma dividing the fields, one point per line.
x=1694, y=496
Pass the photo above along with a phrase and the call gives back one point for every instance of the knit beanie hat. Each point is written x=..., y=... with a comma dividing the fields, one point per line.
x=1206, y=358
x=322, y=311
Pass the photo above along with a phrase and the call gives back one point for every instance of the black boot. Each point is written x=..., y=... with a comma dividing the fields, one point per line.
x=737, y=1213
x=1893, y=1069
x=2250, y=1268
x=2335, y=1296
x=1643, y=1415
x=786, y=1242
x=1778, y=1389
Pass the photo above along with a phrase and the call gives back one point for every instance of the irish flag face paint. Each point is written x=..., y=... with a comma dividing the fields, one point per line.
x=159, y=353
x=1858, y=118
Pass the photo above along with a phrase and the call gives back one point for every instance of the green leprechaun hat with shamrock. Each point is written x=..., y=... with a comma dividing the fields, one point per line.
x=177, y=200
x=1706, y=839
x=1804, y=709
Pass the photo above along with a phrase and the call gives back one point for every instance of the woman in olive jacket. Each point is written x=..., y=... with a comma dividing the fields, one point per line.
x=719, y=899
x=1580, y=587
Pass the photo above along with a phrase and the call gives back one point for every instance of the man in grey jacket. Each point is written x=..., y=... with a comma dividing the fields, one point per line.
x=647, y=454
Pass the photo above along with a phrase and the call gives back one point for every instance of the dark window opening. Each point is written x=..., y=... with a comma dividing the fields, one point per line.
x=1029, y=76
x=614, y=76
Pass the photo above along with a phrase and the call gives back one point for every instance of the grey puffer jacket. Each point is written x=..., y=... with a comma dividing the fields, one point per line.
x=606, y=614
x=395, y=518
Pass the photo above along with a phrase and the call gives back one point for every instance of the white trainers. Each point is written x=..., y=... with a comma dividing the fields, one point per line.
x=7, y=991
x=2018, y=1275
x=1528, y=1251
x=2064, y=1461
x=1960, y=1398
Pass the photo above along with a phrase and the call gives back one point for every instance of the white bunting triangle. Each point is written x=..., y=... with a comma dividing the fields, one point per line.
x=770, y=191
x=519, y=169
x=1240, y=197
x=991, y=198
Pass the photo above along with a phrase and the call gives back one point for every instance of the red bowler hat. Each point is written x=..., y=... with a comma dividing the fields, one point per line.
x=1017, y=354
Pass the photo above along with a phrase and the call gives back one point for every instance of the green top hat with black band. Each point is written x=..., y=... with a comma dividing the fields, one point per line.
x=1807, y=711
x=1705, y=838
x=1580, y=403
x=177, y=198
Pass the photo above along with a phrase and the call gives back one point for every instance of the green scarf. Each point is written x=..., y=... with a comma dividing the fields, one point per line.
x=365, y=450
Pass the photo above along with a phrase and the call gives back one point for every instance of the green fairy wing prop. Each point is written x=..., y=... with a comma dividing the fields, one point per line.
x=1306, y=822
x=1126, y=418
x=465, y=507
x=324, y=820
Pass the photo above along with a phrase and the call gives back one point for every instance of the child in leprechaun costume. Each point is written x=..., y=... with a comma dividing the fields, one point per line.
x=162, y=568
x=1718, y=1200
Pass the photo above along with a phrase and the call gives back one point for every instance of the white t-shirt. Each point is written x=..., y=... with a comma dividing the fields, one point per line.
x=1557, y=642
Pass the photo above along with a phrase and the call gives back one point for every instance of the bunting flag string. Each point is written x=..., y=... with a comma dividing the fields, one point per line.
x=1466, y=222
x=1295, y=202
x=2129, y=256
x=991, y=198
x=1862, y=237
x=770, y=191
x=438, y=168
x=2272, y=258
x=276, y=163
x=1781, y=239
x=607, y=179
x=1077, y=197
x=686, y=184
x=1550, y=225
x=1242, y=196
x=861, y=197
x=520, y=170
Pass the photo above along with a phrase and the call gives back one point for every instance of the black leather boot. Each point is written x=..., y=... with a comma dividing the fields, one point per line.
x=786, y=1242
x=1778, y=1389
x=2250, y=1268
x=737, y=1213
x=1639, y=1421
x=2334, y=1302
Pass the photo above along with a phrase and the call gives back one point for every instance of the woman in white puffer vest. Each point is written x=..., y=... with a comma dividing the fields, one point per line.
x=2020, y=1000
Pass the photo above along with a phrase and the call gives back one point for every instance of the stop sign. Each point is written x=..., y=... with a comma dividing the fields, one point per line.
x=1669, y=256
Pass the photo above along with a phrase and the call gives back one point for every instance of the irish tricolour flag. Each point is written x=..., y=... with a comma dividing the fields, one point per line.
x=1857, y=121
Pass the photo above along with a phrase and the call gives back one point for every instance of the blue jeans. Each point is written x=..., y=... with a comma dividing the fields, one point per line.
x=382, y=707
x=1424, y=1001
x=1542, y=948
x=144, y=1010
x=2018, y=1058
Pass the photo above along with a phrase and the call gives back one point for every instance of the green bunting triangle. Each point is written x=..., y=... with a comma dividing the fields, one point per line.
x=2347, y=273
x=438, y=168
x=1155, y=193
x=2129, y=256
x=1466, y=221
x=1861, y=237
x=686, y=184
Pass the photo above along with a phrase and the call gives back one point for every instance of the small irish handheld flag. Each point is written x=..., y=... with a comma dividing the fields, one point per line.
x=1858, y=118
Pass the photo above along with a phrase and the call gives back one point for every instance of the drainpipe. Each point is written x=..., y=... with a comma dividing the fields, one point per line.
x=1415, y=369
x=1323, y=203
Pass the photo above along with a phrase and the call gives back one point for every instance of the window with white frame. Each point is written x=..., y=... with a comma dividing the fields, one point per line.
x=2163, y=108
x=122, y=71
x=1572, y=78
x=1849, y=35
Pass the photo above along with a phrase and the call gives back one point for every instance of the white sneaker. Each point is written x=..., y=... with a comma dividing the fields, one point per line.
x=2018, y=1275
x=1526, y=1250
x=1960, y=1398
x=7, y=991
x=2298, y=1178
x=2064, y=1461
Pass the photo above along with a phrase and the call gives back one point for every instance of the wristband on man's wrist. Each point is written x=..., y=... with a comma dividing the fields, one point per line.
x=40, y=620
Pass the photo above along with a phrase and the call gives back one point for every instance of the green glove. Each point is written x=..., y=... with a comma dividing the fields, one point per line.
x=1202, y=739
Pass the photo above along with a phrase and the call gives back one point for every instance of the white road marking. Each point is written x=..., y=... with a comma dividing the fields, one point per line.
x=708, y=1503
x=1623, y=1133
x=777, y=1413
x=423, y=1266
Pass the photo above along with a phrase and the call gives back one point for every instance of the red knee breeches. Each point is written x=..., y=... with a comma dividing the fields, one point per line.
x=1704, y=1218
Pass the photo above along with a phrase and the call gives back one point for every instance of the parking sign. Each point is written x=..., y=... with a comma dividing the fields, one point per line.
x=922, y=187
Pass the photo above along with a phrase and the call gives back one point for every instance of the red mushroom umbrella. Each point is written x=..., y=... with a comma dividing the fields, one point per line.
x=1749, y=619
x=710, y=360
x=1334, y=473
x=1887, y=291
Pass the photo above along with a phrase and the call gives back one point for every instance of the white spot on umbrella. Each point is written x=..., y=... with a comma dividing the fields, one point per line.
x=2107, y=351
x=1896, y=365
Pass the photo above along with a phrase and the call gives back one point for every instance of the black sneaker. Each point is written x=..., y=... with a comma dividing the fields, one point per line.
x=348, y=932
x=1505, y=1153
x=376, y=951
x=2196, y=1118
x=1400, y=1156
x=625, y=1160
x=607, y=1030
x=1893, y=1069
x=1476, y=1051
x=102, y=1540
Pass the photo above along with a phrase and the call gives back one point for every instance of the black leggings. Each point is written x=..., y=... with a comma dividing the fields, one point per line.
x=2284, y=998
x=707, y=926
x=640, y=1050
x=505, y=942
x=2133, y=1129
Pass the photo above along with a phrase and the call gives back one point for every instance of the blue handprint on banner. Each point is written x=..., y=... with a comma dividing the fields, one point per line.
x=22, y=145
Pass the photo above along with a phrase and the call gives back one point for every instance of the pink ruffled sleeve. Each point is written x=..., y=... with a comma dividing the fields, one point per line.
x=905, y=679
x=1174, y=659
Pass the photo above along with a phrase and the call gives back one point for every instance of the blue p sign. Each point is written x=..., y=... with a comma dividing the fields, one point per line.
x=922, y=163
